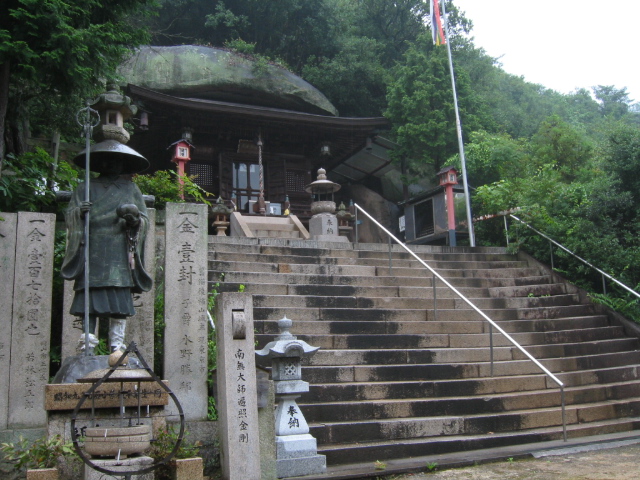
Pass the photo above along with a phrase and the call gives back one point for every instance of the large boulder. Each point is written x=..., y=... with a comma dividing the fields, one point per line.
x=214, y=74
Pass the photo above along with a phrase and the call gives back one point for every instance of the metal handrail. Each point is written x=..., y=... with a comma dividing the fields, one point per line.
x=482, y=314
x=603, y=274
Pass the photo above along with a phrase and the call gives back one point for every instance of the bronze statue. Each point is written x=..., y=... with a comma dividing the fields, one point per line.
x=117, y=229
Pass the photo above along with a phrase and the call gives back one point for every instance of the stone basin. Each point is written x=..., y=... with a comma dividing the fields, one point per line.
x=114, y=441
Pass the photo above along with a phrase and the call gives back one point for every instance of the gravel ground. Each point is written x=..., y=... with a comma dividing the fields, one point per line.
x=622, y=463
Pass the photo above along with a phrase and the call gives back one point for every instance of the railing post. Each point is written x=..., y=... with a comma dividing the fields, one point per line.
x=604, y=285
x=564, y=416
x=551, y=253
x=491, y=346
x=356, y=225
x=506, y=229
x=435, y=298
x=390, y=257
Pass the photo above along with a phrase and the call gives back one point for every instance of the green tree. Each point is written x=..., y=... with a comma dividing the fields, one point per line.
x=614, y=102
x=421, y=109
x=54, y=54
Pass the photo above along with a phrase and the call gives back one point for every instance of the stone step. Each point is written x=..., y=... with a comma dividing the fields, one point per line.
x=461, y=340
x=441, y=264
x=268, y=250
x=315, y=301
x=410, y=418
x=279, y=259
x=380, y=427
x=352, y=273
x=459, y=387
x=464, y=355
x=606, y=374
x=380, y=314
x=288, y=268
x=535, y=290
x=311, y=327
x=412, y=372
x=400, y=254
x=505, y=273
x=363, y=451
x=275, y=233
x=363, y=280
x=339, y=314
x=519, y=302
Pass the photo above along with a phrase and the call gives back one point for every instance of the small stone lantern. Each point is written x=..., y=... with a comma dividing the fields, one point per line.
x=296, y=449
x=221, y=212
x=344, y=217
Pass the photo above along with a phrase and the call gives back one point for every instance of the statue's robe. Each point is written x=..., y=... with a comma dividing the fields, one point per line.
x=111, y=279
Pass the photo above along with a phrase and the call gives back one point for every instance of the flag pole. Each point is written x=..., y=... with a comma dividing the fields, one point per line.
x=472, y=240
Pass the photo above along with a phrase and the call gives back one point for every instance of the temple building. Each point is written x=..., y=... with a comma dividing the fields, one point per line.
x=221, y=117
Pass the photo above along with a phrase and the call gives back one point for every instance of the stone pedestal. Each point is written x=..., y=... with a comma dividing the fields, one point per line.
x=125, y=465
x=297, y=455
x=323, y=227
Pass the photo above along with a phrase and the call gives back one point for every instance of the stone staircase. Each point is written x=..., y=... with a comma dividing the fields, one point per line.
x=393, y=380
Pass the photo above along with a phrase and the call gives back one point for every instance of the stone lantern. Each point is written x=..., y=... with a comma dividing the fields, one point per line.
x=324, y=224
x=448, y=178
x=114, y=109
x=221, y=213
x=296, y=449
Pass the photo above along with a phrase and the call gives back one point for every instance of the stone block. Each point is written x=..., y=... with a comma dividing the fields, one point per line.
x=185, y=297
x=43, y=474
x=8, y=230
x=188, y=469
x=122, y=465
x=289, y=467
x=31, y=323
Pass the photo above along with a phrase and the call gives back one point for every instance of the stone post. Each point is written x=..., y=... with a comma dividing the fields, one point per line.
x=237, y=388
x=185, y=307
x=8, y=228
x=31, y=324
x=140, y=326
x=296, y=449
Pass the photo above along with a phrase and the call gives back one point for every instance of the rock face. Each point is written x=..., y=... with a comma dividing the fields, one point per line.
x=214, y=74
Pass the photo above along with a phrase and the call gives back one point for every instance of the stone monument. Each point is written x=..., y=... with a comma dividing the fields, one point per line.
x=237, y=388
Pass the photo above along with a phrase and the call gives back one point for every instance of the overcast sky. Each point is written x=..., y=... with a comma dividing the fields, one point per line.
x=562, y=44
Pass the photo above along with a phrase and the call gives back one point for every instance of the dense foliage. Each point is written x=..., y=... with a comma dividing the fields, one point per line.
x=55, y=54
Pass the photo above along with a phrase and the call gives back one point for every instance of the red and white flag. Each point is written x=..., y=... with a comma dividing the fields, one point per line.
x=436, y=24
